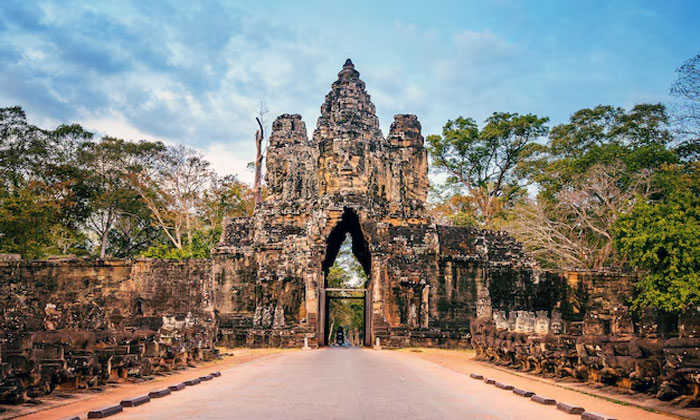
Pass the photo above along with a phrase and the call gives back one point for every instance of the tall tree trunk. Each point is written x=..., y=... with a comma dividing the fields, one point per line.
x=259, y=136
x=105, y=233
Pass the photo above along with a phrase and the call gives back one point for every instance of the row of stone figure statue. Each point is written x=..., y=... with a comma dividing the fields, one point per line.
x=529, y=322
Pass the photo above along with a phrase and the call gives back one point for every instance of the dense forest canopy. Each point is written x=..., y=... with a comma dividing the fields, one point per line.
x=65, y=192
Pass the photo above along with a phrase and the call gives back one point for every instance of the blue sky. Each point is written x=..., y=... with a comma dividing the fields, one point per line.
x=195, y=72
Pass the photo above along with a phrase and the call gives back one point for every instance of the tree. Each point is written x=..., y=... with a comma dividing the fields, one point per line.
x=592, y=170
x=172, y=188
x=686, y=87
x=663, y=238
x=574, y=230
x=259, y=153
x=480, y=163
x=134, y=231
x=637, y=139
x=225, y=197
x=43, y=194
x=110, y=164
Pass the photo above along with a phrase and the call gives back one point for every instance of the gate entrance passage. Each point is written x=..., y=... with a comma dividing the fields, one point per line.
x=344, y=298
x=346, y=311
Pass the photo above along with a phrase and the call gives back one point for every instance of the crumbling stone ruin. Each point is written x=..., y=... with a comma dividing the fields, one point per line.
x=78, y=324
x=605, y=348
x=425, y=280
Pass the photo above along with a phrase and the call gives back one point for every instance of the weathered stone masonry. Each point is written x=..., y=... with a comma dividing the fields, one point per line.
x=425, y=281
x=75, y=323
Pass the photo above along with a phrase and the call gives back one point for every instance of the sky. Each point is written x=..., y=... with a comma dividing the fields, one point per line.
x=195, y=73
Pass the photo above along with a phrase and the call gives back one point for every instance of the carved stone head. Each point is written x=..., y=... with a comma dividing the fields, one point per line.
x=542, y=323
x=592, y=324
x=500, y=320
x=511, y=321
x=556, y=325
x=621, y=321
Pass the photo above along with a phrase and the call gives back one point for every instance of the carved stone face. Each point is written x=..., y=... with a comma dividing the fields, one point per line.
x=542, y=323
x=592, y=324
x=648, y=326
x=530, y=322
x=556, y=325
x=621, y=322
x=689, y=323
x=500, y=320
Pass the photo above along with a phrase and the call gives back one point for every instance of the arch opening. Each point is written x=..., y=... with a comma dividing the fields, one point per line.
x=346, y=279
x=349, y=225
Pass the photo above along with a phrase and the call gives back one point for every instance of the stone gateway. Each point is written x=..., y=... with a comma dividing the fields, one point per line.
x=425, y=280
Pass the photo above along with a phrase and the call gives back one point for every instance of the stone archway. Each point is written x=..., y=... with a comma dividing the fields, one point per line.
x=349, y=224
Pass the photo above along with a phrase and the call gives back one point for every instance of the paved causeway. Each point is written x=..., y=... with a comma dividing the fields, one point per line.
x=342, y=384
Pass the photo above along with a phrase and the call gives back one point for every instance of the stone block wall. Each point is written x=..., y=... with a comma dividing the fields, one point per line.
x=75, y=324
x=597, y=341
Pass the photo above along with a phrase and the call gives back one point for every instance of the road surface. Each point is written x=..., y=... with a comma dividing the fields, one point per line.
x=342, y=384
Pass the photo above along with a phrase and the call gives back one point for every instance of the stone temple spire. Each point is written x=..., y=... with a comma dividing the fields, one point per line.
x=348, y=72
x=348, y=112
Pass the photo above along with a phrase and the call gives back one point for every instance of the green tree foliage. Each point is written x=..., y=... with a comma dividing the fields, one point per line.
x=110, y=163
x=63, y=192
x=591, y=171
x=663, y=238
x=635, y=140
x=43, y=194
x=480, y=164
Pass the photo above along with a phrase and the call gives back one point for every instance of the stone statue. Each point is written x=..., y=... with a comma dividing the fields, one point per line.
x=648, y=326
x=278, y=321
x=689, y=322
x=556, y=325
x=592, y=324
x=542, y=323
x=621, y=321
x=500, y=320
x=530, y=322
x=483, y=303
x=511, y=321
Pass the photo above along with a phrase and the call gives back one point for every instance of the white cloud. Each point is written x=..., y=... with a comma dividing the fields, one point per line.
x=227, y=159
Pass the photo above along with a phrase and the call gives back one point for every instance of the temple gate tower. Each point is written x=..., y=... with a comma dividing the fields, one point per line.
x=424, y=281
